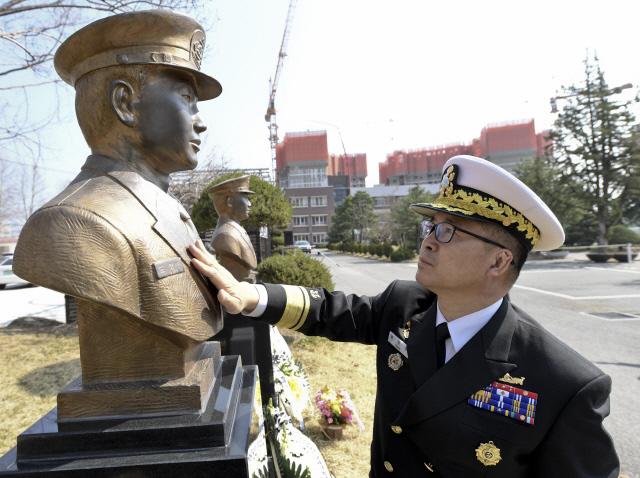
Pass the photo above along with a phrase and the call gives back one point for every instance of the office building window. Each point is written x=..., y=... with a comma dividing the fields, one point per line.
x=298, y=201
x=316, y=201
x=319, y=238
x=319, y=220
x=299, y=220
x=300, y=237
x=306, y=178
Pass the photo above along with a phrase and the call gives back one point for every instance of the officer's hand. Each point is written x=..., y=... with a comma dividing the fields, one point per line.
x=235, y=297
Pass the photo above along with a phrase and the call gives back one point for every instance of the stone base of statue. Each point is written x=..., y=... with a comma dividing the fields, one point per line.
x=213, y=442
x=252, y=341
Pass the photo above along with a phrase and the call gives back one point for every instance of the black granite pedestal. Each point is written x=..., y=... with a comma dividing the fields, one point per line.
x=251, y=339
x=213, y=443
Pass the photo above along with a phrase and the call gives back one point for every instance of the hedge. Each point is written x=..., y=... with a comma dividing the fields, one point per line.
x=380, y=249
x=295, y=268
x=402, y=254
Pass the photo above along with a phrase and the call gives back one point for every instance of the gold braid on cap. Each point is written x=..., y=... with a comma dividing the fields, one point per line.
x=468, y=201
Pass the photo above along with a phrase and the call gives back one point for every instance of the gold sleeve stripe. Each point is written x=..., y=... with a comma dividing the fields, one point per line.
x=305, y=310
x=297, y=308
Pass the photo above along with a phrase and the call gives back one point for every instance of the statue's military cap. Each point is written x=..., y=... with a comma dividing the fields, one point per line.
x=477, y=189
x=230, y=186
x=153, y=37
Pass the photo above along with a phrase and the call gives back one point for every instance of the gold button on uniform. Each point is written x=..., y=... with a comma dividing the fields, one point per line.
x=388, y=466
x=396, y=429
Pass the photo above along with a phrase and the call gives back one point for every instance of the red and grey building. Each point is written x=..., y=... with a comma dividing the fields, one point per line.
x=505, y=144
x=315, y=182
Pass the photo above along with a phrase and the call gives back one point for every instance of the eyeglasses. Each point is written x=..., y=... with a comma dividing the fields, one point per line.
x=445, y=231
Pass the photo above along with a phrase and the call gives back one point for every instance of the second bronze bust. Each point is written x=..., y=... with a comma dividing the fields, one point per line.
x=231, y=242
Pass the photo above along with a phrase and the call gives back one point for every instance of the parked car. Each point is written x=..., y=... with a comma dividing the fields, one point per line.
x=304, y=246
x=6, y=272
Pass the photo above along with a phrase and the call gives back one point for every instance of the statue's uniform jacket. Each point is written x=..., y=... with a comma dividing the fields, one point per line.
x=106, y=233
x=423, y=425
x=234, y=250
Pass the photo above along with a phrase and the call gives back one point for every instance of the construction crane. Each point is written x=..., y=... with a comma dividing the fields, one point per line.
x=270, y=116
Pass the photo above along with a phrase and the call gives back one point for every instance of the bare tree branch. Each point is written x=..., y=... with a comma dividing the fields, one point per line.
x=30, y=85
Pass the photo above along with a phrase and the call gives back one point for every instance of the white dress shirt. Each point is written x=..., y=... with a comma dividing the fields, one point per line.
x=263, y=298
x=465, y=327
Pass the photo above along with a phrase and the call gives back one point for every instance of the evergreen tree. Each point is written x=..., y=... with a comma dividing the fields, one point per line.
x=404, y=223
x=563, y=195
x=364, y=220
x=341, y=229
x=593, y=146
x=354, y=219
x=269, y=206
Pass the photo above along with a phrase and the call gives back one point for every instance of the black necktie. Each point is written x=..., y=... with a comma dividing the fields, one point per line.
x=442, y=334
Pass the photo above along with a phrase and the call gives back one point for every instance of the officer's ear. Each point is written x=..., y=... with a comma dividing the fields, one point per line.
x=122, y=101
x=502, y=260
x=229, y=202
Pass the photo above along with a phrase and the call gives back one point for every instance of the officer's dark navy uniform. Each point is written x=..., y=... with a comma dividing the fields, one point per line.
x=424, y=425
x=512, y=400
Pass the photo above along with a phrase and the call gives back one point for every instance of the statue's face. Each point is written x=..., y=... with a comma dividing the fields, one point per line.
x=169, y=123
x=240, y=205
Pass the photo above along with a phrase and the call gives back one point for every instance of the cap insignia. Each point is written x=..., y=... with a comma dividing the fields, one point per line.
x=449, y=176
x=197, y=47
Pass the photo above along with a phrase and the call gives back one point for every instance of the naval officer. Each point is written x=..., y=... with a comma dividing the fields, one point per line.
x=468, y=384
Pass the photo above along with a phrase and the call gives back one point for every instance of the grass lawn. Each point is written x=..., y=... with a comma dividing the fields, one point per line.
x=35, y=367
x=39, y=363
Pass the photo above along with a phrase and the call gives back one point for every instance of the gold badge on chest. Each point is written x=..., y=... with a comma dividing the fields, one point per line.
x=507, y=378
x=488, y=454
x=406, y=330
x=394, y=361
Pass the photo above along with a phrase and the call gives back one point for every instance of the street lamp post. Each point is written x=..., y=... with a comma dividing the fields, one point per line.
x=611, y=91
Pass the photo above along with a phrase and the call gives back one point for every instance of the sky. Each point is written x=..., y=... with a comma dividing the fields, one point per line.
x=383, y=75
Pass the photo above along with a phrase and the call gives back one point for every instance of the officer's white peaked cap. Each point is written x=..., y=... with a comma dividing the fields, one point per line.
x=477, y=189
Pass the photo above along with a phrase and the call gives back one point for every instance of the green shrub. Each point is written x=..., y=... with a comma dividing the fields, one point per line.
x=401, y=254
x=621, y=234
x=285, y=250
x=277, y=240
x=295, y=268
x=387, y=249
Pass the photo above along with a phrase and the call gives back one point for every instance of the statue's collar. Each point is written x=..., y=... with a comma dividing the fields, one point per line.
x=98, y=164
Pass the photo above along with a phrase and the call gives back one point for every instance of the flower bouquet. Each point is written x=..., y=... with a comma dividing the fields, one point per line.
x=337, y=410
x=290, y=381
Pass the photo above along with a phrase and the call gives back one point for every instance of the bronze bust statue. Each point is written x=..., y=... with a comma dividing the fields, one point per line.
x=230, y=241
x=114, y=238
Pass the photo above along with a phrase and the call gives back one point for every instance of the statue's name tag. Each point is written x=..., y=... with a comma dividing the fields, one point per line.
x=168, y=267
x=398, y=344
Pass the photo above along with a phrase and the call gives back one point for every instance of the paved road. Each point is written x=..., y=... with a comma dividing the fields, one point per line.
x=565, y=297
